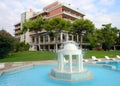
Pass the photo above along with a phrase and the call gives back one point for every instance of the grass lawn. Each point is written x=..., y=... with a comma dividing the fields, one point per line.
x=44, y=55
x=30, y=56
x=101, y=54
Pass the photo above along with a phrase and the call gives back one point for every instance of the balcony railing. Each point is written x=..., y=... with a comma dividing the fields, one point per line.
x=17, y=28
x=47, y=42
x=70, y=14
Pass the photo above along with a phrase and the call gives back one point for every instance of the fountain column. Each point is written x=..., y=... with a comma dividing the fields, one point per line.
x=81, y=62
x=59, y=62
x=62, y=62
x=78, y=62
x=70, y=62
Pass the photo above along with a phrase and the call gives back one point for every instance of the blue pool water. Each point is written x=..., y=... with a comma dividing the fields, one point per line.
x=38, y=76
x=116, y=64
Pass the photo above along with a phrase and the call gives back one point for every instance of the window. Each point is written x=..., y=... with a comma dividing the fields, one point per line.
x=41, y=38
x=37, y=40
x=33, y=40
x=46, y=38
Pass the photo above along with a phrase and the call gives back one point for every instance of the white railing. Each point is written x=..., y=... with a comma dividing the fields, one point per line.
x=18, y=27
x=70, y=14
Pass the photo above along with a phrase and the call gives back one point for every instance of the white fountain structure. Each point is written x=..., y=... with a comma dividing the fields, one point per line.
x=70, y=64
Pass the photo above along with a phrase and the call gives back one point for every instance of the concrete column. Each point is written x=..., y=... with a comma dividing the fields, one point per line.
x=77, y=39
x=35, y=40
x=43, y=39
x=70, y=62
x=48, y=38
x=67, y=37
x=61, y=37
x=39, y=39
x=43, y=47
x=49, y=47
x=72, y=38
x=39, y=42
x=54, y=48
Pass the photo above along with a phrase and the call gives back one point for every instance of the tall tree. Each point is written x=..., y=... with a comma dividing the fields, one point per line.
x=38, y=24
x=33, y=25
x=81, y=25
x=6, y=43
x=109, y=36
x=55, y=26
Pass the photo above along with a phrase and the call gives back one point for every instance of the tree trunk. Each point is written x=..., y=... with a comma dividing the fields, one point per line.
x=80, y=40
x=37, y=35
x=56, y=44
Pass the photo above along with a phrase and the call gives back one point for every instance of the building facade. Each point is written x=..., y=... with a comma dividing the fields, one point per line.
x=43, y=40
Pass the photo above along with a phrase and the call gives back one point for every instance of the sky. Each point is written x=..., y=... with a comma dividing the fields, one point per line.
x=98, y=11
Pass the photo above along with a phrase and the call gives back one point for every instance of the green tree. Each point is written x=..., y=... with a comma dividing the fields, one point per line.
x=33, y=25
x=6, y=43
x=109, y=36
x=37, y=24
x=81, y=25
x=21, y=46
x=118, y=38
x=55, y=26
x=92, y=39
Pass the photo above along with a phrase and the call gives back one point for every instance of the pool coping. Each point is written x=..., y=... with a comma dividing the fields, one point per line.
x=10, y=66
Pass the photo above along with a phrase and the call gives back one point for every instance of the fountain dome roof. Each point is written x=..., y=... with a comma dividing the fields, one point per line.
x=70, y=45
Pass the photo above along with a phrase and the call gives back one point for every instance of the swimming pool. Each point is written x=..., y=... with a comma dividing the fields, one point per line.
x=116, y=64
x=38, y=76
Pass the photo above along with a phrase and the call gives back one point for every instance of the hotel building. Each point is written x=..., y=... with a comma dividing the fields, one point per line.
x=43, y=41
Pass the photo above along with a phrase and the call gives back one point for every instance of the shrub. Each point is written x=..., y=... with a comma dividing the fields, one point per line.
x=21, y=46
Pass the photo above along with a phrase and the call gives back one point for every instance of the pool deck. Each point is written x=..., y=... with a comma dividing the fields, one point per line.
x=9, y=66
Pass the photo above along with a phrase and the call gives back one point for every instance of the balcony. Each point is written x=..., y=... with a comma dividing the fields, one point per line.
x=17, y=34
x=72, y=8
x=17, y=28
x=45, y=17
x=70, y=14
x=68, y=20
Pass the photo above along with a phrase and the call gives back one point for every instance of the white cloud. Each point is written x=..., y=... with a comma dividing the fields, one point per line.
x=100, y=19
x=99, y=11
x=115, y=19
x=10, y=13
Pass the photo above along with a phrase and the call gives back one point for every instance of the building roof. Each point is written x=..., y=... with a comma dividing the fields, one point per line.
x=60, y=4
